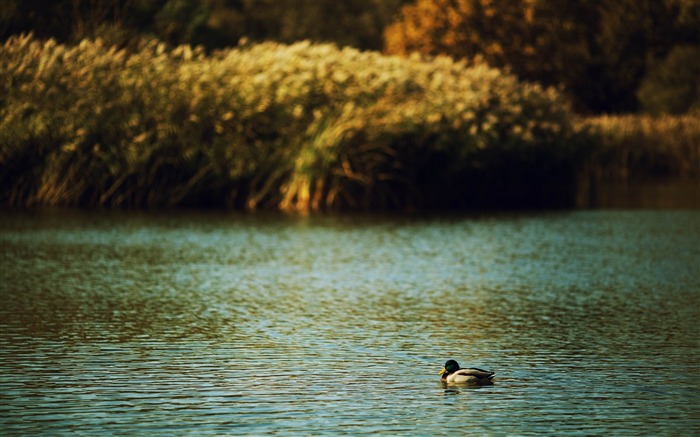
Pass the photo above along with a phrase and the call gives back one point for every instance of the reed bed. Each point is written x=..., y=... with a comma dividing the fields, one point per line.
x=295, y=127
x=638, y=148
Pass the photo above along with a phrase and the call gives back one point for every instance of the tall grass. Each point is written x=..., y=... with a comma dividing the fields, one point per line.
x=635, y=148
x=296, y=127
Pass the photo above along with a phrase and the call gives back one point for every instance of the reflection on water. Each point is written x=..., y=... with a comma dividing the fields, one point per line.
x=215, y=323
x=664, y=193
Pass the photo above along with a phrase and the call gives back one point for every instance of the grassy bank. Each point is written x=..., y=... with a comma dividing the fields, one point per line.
x=642, y=161
x=294, y=127
x=273, y=126
x=639, y=148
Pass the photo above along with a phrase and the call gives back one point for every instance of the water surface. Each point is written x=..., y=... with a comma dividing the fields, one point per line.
x=213, y=323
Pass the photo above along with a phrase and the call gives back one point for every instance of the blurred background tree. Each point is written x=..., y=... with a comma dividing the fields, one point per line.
x=181, y=21
x=672, y=85
x=211, y=23
x=608, y=55
x=598, y=50
x=357, y=23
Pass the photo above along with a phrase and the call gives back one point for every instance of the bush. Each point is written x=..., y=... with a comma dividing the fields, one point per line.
x=302, y=126
x=671, y=87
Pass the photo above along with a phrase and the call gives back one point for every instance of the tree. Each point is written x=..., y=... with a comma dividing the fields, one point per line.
x=672, y=86
x=598, y=50
x=357, y=23
x=179, y=21
x=212, y=23
x=64, y=20
x=539, y=40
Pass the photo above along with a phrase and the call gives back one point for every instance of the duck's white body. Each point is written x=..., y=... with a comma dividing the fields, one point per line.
x=453, y=374
x=469, y=376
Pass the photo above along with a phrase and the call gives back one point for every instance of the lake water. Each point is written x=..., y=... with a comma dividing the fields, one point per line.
x=212, y=323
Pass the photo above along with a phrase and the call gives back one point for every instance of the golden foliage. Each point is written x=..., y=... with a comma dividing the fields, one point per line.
x=498, y=30
x=301, y=126
x=637, y=147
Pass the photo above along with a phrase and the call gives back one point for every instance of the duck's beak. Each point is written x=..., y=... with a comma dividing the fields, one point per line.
x=443, y=371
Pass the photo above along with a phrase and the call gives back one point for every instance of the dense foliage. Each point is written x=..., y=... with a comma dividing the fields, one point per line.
x=673, y=85
x=302, y=126
x=610, y=56
x=634, y=148
x=600, y=51
x=211, y=23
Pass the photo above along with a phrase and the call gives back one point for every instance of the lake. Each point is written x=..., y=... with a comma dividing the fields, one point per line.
x=216, y=323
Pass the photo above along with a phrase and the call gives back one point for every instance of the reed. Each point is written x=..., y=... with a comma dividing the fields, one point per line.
x=295, y=127
x=643, y=147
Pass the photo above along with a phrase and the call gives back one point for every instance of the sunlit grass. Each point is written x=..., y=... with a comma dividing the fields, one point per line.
x=642, y=147
x=296, y=127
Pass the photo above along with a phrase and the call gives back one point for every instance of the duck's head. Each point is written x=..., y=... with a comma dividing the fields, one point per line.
x=451, y=366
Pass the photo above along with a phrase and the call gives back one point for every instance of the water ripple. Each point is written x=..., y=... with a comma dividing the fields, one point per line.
x=217, y=324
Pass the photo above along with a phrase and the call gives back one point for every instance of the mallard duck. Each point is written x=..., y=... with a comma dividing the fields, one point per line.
x=452, y=374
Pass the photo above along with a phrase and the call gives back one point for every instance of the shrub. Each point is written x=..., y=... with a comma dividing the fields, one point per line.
x=671, y=87
x=301, y=126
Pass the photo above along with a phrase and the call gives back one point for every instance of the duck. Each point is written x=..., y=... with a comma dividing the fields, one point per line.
x=453, y=374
